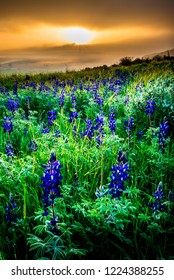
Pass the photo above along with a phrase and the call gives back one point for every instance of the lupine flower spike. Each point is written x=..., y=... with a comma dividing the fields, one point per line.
x=119, y=176
x=158, y=195
x=51, y=182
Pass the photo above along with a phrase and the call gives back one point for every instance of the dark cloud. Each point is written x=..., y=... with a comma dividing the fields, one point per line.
x=94, y=14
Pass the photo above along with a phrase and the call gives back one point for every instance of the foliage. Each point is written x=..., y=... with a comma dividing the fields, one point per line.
x=112, y=129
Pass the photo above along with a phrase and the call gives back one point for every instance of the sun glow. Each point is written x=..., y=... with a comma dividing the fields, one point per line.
x=77, y=35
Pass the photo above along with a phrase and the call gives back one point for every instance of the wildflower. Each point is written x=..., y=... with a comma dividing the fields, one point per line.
x=158, y=195
x=150, y=106
x=127, y=100
x=45, y=130
x=61, y=99
x=74, y=131
x=51, y=117
x=73, y=116
x=9, y=150
x=12, y=105
x=121, y=157
x=57, y=133
x=73, y=97
x=89, y=132
x=99, y=123
x=51, y=182
x=139, y=134
x=99, y=139
x=33, y=146
x=25, y=131
x=7, y=125
x=112, y=124
x=128, y=124
x=10, y=214
x=99, y=100
x=163, y=134
x=119, y=176
x=15, y=88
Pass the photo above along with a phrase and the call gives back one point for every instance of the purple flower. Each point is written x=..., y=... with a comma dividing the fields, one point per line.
x=51, y=182
x=119, y=176
x=45, y=130
x=51, y=117
x=163, y=134
x=9, y=150
x=73, y=100
x=99, y=123
x=150, y=107
x=112, y=123
x=33, y=146
x=12, y=105
x=89, y=132
x=73, y=116
x=10, y=214
x=158, y=195
x=128, y=124
x=57, y=133
x=61, y=99
x=7, y=125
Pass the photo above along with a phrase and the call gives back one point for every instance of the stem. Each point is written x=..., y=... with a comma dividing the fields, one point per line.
x=53, y=211
x=25, y=203
x=150, y=122
x=102, y=159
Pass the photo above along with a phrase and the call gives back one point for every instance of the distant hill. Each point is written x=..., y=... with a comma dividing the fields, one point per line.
x=161, y=54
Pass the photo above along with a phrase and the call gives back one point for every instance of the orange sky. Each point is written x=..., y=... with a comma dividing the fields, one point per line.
x=137, y=27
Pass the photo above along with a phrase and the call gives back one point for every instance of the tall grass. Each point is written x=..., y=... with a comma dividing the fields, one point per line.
x=89, y=226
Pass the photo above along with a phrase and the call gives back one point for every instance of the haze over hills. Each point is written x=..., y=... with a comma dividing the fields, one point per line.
x=161, y=54
x=66, y=57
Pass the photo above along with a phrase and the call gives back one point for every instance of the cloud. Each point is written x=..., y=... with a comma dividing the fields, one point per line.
x=92, y=14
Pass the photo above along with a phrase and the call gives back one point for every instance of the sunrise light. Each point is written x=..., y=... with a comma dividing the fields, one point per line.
x=77, y=35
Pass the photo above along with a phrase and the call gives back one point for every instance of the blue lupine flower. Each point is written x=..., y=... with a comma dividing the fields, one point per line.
x=150, y=108
x=127, y=100
x=15, y=88
x=73, y=100
x=89, y=132
x=7, y=125
x=73, y=116
x=128, y=124
x=158, y=195
x=163, y=134
x=99, y=100
x=51, y=182
x=99, y=123
x=10, y=214
x=119, y=176
x=121, y=157
x=61, y=99
x=99, y=139
x=25, y=131
x=112, y=123
x=140, y=134
x=32, y=146
x=12, y=105
x=74, y=131
x=9, y=150
x=57, y=133
x=45, y=130
x=28, y=99
x=170, y=195
x=51, y=117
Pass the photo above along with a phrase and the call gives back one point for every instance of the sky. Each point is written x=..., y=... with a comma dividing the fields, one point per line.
x=76, y=32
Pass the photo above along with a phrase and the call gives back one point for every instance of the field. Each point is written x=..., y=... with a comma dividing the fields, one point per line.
x=87, y=164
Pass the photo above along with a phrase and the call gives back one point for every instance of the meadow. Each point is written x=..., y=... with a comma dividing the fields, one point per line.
x=87, y=164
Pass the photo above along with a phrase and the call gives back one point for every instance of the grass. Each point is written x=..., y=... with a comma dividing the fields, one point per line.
x=89, y=226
